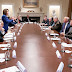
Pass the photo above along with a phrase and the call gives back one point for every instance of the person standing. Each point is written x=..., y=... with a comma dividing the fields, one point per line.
x=6, y=20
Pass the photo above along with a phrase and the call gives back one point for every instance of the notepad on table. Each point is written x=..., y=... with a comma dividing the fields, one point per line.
x=66, y=45
x=5, y=45
x=10, y=69
x=52, y=34
x=55, y=38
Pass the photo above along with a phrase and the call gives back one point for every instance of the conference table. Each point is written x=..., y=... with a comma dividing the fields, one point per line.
x=35, y=52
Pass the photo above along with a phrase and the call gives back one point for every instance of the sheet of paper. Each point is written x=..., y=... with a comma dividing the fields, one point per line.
x=48, y=38
x=3, y=48
x=60, y=67
x=26, y=22
x=46, y=28
x=58, y=54
x=14, y=54
x=55, y=38
x=11, y=69
x=5, y=45
x=18, y=34
x=30, y=22
x=21, y=67
x=8, y=38
x=15, y=45
x=54, y=45
x=12, y=27
x=8, y=35
x=67, y=51
x=52, y=34
x=66, y=45
x=2, y=55
x=46, y=34
x=2, y=60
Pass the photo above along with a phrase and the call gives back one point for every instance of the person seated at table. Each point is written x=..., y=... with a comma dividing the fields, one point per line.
x=2, y=29
x=1, y=37
x=69, y=34
x=56, y=25
x=27, y=19
x=19, y=19
x=65, y=26
x=45, y=21
x=6, y=20
x=1, y=32
x=50, y=22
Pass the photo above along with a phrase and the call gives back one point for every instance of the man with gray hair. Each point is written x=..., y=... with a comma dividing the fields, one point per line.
x=65, y=26
x=56, y=25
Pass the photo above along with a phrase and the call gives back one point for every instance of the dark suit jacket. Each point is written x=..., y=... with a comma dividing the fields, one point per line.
x=20, y=21
x=26, y=20
x=16, y=21
x=46, y=22
x=57, y=26
x=69, y=34
x=67, y=28
x=12, y=24
x=1, y=35
x=6, y=22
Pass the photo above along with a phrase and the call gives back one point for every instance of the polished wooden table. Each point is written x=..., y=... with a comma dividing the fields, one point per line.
x=36, y=53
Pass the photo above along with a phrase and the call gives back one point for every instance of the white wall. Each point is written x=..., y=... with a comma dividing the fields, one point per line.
x=42, y=3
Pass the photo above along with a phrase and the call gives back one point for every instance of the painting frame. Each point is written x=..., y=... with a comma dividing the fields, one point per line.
x=55, y=10
x=30, y=4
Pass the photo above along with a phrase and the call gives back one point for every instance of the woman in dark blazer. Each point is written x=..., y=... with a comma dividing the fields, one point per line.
x=5, y=19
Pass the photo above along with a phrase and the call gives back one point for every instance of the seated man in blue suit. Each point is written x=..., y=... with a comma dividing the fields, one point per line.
x=69, y=34
x=65, y=26
x=6, y=20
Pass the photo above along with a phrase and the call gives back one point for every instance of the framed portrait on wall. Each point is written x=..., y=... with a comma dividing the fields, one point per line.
x=30, y=3
x=54, y=10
